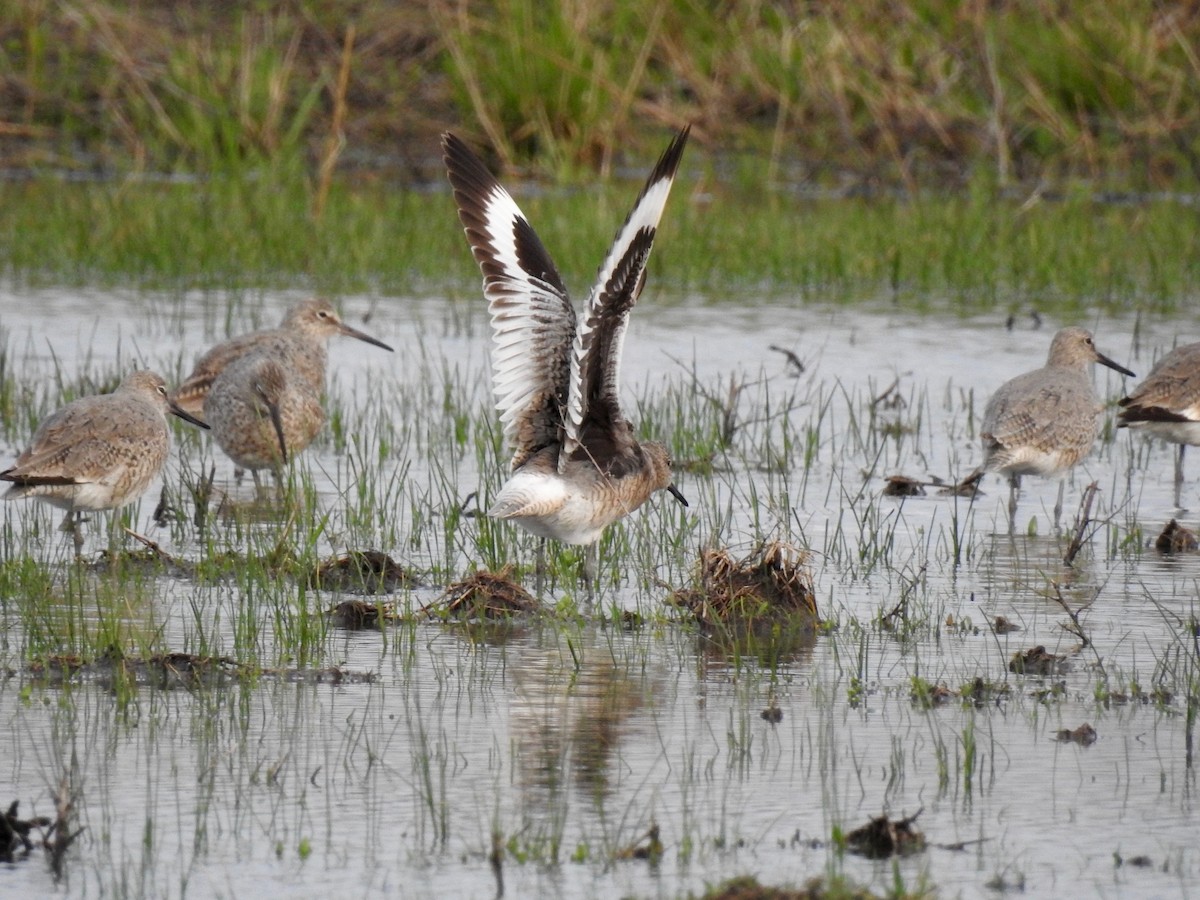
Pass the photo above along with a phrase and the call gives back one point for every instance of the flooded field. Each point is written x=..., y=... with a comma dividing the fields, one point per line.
x=434, y=759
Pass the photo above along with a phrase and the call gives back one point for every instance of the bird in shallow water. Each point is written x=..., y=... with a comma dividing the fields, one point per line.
x=100, y=452
x=299, y=346
x=576, y=466
x=1167, y=405
x=1045, y=421
x=261, y=412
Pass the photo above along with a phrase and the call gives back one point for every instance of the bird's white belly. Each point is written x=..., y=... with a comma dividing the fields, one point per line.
x=1032, y=461
x=550, y=506
x=1175, y=432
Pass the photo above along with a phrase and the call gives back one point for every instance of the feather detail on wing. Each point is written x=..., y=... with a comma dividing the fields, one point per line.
x=593, y=411
x=533, y=321
x=1170, y=393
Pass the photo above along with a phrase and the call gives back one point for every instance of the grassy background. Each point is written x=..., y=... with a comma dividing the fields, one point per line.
x=931, y=91
x=936, y=152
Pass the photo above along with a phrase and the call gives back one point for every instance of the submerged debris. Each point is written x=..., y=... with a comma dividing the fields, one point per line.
x=487, y=595
x=1176, y=539
x=1038, y=662
x=747, y=887
x=648, y=847
x=361, y=572
x=356, y=615
x=152, y=558
x=927, y=696
x=968, y=487
x=14, y=832
x=769, y=586
x=883, y=837
x=176, y=670
x=903, y=486
x=980, y=692
x=1085, y=735
x=1001, y=625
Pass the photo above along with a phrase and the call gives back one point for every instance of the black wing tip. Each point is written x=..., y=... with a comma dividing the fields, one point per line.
x=37, y=480
x=1133, y=414
x=468, y=174
x=668, y=163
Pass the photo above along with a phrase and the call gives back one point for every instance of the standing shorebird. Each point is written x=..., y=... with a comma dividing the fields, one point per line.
x=298, y=345
x=1045, y=421
x=576, y=465
x=98, y=452
x=261, y=412
x=300, y=340
x=1167, y=404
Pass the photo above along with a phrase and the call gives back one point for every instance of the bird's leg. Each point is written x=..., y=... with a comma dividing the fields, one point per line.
x=1179, y=477
x=589, y=568
x=1058, y=504
x=239, y=473
x=1014, y=485
x=71, y=526
x=539, y=568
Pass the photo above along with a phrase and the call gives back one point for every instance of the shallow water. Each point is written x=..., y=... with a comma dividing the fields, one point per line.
x=569, y=740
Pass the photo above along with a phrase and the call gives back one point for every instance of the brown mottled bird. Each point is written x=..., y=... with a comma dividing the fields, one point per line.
x=1167, y=404
x=1045, y=421
x=298, y=345
x=98, y=452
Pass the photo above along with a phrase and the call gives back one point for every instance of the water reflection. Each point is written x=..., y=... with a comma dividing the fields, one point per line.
x=569, y=710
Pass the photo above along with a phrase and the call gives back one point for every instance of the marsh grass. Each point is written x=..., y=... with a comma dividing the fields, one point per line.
x=546, y=713
x=1035, y=93
x=226, y=233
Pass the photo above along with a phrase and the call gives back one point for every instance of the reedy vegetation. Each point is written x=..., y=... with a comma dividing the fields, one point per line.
x=899, y=92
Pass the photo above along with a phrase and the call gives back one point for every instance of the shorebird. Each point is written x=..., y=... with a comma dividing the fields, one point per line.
x=298, y=345
x=1045, y=421
x=261, y=412
x=300, y=341
x=576, y=466
x=1167, y=404
x=99, y=452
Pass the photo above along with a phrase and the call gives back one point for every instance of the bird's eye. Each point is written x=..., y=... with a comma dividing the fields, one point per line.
x=162, y=389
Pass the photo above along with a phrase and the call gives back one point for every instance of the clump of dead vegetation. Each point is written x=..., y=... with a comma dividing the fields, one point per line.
x=771, y=586
x=485, y=595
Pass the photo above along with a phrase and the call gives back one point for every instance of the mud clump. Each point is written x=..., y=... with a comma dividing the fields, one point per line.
x=361, y=572
x=883, y=837
x=359, y=615
x=1038, y=662
x=1085, y=735
x=14, y=832
x=1174, y=538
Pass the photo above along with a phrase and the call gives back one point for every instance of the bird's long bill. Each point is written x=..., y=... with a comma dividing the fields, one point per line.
x=277, y=421
x=1113, y=364
x=675, y=492
x=345, y=329
x=178, y=410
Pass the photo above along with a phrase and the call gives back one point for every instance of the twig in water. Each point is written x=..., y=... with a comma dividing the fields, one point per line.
x=1081, y=524
x=60, y=837
x=1076, y=627
x=791, y=357
x=496, y=858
